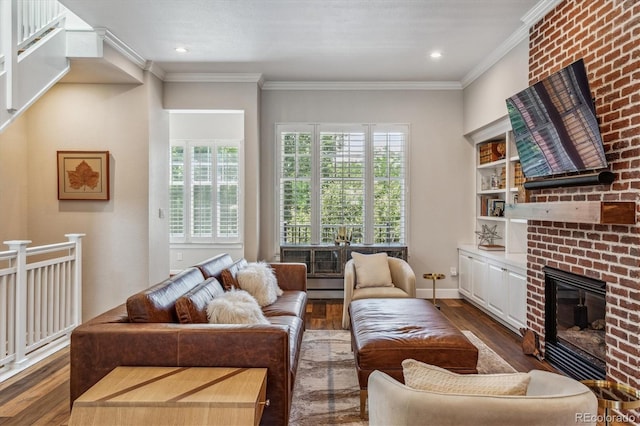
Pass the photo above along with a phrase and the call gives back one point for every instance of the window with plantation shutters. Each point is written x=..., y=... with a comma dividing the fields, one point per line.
x=342, y=175
x=389, y=186
x=295, y=184
x=176, y=193
x=205, y=191
x=342, y=182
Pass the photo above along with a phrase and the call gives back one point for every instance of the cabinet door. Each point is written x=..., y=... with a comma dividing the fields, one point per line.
x=479, y=281
x=464, y=274
x=517, y=306
x=296, y=254
x=327, y=262
x=497, y=290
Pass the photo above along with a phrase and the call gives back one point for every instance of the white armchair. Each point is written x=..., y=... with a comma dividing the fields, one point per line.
x=551, y=399
x=402, y=276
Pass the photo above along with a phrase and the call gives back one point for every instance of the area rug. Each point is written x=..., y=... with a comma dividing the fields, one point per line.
x=326, y=390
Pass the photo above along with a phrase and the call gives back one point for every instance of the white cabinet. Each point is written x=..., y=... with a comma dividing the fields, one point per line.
x=497, y=301
x=517, y=306
x=495, y=283
x=464, y=274
x=479, y=285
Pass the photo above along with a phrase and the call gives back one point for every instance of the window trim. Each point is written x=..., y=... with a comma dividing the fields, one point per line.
x=370, y=129
x=214, y=239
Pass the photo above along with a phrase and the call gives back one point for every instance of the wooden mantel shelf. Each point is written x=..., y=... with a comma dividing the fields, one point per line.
x=601, y=212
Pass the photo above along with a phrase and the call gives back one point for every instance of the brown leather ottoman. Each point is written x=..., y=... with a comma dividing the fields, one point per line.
x=384, y=332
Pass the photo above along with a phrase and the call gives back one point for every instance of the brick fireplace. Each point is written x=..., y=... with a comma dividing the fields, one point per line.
x=606, y=34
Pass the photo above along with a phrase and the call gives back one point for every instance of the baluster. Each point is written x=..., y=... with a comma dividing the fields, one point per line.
x=59, y=298
x=29, y=20
x=3, y=319
x=37, y=16
x=43, y=302
x=50, y=301
x=64, y=302
x=11, y=314
x=37, y=303
x=19, y=23
x=34, y=17
x=31, y=332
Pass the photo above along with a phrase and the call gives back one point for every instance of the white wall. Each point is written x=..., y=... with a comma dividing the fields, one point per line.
x=441, y=199
x=211, y=125
x=484, y=99
x=116, y=249
x=238, y=96
x=158, y=181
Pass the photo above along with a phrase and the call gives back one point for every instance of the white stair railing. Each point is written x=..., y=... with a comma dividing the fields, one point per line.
x=32, y=53
x=36, y=17
x=40, y=296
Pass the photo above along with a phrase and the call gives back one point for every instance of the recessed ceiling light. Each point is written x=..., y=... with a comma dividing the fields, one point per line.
x=181, y=49
x=436, y=55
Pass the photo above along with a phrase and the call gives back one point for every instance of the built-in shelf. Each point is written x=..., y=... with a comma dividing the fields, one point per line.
x=601, y=212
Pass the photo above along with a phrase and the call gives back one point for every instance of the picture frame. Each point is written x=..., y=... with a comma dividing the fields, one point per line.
x=496, y=208
x=83, y=175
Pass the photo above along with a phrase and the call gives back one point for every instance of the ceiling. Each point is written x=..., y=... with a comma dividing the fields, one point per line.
x=314, y=40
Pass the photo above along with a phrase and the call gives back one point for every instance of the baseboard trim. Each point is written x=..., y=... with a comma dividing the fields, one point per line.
x=441, y=293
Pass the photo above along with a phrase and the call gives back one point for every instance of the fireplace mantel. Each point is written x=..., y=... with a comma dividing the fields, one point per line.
x=601, y=212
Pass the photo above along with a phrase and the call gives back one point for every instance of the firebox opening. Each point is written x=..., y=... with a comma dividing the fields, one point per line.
x=575, y=324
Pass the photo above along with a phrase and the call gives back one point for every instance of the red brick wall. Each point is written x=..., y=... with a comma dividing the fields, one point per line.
x=606, y=34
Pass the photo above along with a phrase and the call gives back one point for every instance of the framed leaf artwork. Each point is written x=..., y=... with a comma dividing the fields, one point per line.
x=83, y=175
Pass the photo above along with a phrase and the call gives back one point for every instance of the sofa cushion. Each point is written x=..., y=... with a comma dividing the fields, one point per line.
x=229, y=275
x=214, y=266
x=191, y=307
x=290, y=303
x=235, y=307
x=157, y=303
x=421, y=376
x=296, y=332
x=372, y=270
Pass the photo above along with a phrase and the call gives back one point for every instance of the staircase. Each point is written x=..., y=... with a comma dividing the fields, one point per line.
x=33, y=53
x=39, y=39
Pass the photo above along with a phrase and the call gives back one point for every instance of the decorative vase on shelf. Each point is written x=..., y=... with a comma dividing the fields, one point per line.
x=495, y=181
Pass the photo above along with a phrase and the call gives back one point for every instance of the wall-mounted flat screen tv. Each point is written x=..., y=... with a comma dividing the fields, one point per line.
x=555, y=125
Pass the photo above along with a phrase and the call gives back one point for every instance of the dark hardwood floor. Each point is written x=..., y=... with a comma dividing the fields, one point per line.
x=40, y=394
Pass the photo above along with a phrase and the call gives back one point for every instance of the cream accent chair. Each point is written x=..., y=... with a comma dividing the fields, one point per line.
x=551, y=399
x=402, y=276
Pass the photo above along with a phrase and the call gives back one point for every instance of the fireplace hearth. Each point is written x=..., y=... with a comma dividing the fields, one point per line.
x=575, y=324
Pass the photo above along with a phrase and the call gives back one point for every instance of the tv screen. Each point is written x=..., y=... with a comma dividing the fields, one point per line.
x=555, y=125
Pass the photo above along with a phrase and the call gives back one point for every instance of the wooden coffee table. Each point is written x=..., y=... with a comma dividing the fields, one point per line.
x=174, y=396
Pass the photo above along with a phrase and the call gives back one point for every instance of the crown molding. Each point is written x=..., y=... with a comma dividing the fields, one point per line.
x=494, y=57
x=186, y=77
x=539, y=11
x=361, y=85
x=531, y=18
x=155, y=69
x=497, y=127
x=121, y=47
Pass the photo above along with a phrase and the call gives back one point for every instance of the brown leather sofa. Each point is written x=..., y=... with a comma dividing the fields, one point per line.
x=147, y=331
